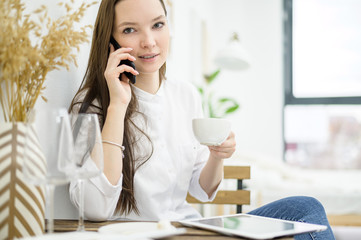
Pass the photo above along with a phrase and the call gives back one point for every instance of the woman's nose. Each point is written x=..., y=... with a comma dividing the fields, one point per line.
x=148, y=40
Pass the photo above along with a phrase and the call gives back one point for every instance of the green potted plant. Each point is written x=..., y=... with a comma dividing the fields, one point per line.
x=212, y=106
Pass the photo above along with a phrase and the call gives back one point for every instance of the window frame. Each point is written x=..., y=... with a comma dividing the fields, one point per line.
x=289, y=98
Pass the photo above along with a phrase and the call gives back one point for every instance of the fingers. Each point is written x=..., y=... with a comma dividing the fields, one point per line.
x=223, y=149
x=112, y=70
x=222, y=152
x=125, y=68
x=228, y=143
x=226, y=149
x=120, y=54
x=115, y=72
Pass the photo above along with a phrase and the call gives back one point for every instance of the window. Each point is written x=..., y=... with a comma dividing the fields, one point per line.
x=322, y=121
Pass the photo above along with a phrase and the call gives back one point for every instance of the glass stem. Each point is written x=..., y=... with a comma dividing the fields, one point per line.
x=50, y=188
x=81, y=226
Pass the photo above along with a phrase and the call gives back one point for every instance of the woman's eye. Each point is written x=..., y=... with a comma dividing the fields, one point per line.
x=128, y=30
x=158, y=25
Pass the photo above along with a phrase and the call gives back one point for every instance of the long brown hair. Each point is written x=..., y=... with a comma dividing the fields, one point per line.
x=96, y=90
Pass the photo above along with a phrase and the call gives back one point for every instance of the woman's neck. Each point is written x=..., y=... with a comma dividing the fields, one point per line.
x=148, y=82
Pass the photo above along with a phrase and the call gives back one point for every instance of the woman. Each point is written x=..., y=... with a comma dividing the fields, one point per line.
x=151, y=159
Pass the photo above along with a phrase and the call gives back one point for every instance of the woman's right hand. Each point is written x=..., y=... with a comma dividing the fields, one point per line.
x=119, y=91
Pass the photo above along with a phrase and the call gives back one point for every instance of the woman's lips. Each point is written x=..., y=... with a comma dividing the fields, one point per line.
x=149, y=57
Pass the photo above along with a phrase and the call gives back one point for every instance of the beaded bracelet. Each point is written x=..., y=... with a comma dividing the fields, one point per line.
x=116, y=144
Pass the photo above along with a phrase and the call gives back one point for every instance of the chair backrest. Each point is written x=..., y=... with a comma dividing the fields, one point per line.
x=237, y=196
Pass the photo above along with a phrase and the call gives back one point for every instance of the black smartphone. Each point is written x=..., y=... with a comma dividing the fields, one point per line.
x=126, y=62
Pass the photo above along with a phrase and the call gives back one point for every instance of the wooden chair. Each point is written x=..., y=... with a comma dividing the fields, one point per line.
x=238, y=196
x=345, y=220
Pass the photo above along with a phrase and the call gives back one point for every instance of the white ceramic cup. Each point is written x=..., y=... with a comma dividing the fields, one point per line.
x=211, y=131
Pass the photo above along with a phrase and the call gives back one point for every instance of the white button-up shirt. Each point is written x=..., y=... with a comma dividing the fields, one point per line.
x=162, y=183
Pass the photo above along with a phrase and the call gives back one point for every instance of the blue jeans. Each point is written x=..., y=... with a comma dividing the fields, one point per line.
x=301, y=209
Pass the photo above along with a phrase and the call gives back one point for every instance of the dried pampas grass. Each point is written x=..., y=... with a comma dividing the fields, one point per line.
x=30, y=47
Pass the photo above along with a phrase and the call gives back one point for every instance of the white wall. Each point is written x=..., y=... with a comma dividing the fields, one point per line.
x=259, y=89
x=61, y=85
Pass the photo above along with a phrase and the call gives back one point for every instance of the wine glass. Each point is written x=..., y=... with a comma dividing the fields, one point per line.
x=88, y=154
x=48, y=154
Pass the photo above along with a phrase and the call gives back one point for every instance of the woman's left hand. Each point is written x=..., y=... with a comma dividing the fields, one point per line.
x=226, y=149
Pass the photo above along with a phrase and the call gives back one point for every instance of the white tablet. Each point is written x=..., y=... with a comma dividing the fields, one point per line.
x=253, y=227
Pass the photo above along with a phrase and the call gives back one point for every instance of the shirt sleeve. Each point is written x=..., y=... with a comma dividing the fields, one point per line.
x=195, y=188
x=100, y=196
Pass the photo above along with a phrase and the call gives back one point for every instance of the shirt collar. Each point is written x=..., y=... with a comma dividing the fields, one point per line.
x=143, y=95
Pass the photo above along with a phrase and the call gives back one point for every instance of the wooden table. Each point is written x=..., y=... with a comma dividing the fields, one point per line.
x=191, y=234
